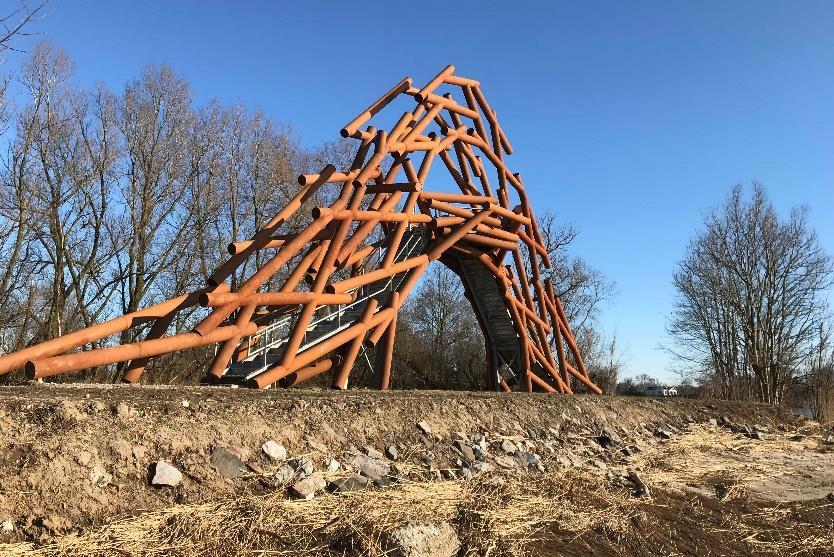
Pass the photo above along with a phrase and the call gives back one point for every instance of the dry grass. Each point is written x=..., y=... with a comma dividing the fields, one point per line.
x=497, y=516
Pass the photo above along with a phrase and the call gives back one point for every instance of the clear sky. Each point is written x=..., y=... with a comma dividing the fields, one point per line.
x=628, y=119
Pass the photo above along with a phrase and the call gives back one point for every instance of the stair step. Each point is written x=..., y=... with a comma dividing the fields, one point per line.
x=413, y=242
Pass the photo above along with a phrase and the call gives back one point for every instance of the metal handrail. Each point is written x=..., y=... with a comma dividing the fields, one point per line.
x=266, y=335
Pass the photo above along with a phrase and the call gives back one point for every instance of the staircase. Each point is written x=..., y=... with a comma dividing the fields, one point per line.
x=266, y=348
x=495, y=317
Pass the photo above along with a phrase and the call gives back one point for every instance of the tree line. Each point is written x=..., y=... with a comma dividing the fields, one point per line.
x=111, y=201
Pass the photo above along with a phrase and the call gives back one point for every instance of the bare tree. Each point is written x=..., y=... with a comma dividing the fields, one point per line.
x=14, y=23
x=582, y=288
x=603, y=357
x=750, y=298
x=819, y=378
x=155, y=121
x=439, y=344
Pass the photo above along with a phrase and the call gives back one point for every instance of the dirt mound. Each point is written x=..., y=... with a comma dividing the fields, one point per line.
x=77, y=466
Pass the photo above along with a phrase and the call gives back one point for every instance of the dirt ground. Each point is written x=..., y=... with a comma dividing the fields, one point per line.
x=603, y=475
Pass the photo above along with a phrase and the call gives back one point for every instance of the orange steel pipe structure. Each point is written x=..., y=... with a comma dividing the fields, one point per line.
x=347, y=268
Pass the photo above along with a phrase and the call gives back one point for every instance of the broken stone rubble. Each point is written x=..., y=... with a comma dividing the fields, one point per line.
x=274, y=450
x=166, y=475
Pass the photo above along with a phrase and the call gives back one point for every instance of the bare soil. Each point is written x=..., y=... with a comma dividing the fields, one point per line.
x=76, y=461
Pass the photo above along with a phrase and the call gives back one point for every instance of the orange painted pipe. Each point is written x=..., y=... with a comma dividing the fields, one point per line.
x=48, y=367
x=457, y=198
x=422, y=95
x=375, y=107
x=378, y=216
x=462, y=212
x=391, y=188
x=340, y=380
x=373, y=276
x=71, y=341
x=359, y=255
x=273, y=299
x=462, y=81
x=541, y=383
x=588, y=383
x=306, y=373
x=448, y=104
x=326, y=176
x=388, y=345
x=439, y=247
x=366, y=228
x=266, y=271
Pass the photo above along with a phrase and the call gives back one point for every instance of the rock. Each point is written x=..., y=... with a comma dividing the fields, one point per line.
x=664, y=434
x=274, y=450
x=421, y=539
x=352, y=483
x=302, y=465
x=166, y=475
x=424, y=428
x=829, y=440
x=7, y=526
x=391, y=452
x=713, y=422
x=483, y=467
x=505, y=461
x=465, y=450
x=639, y=488
x=333, y=465
x=630, y=450
x=100, y=478
x=738, y=428
x=307, y=488
x=530, y=460
x=256, y=468
x=563, y=461
x=228, y=463
x=284, y=474
x=466, y=474
x=609, y=438
x=797, y=437
x=185, y=404
x=757, y=435
x=373, y=453
x=508, y=446
x=370, y=467
x=593, y=444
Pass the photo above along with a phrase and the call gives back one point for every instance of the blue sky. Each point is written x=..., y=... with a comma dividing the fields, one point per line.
x=628, y=119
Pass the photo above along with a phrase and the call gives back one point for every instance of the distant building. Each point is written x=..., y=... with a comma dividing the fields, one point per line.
x=661, y=391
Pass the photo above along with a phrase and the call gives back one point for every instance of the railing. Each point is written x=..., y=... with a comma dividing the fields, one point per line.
x=269, y=338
